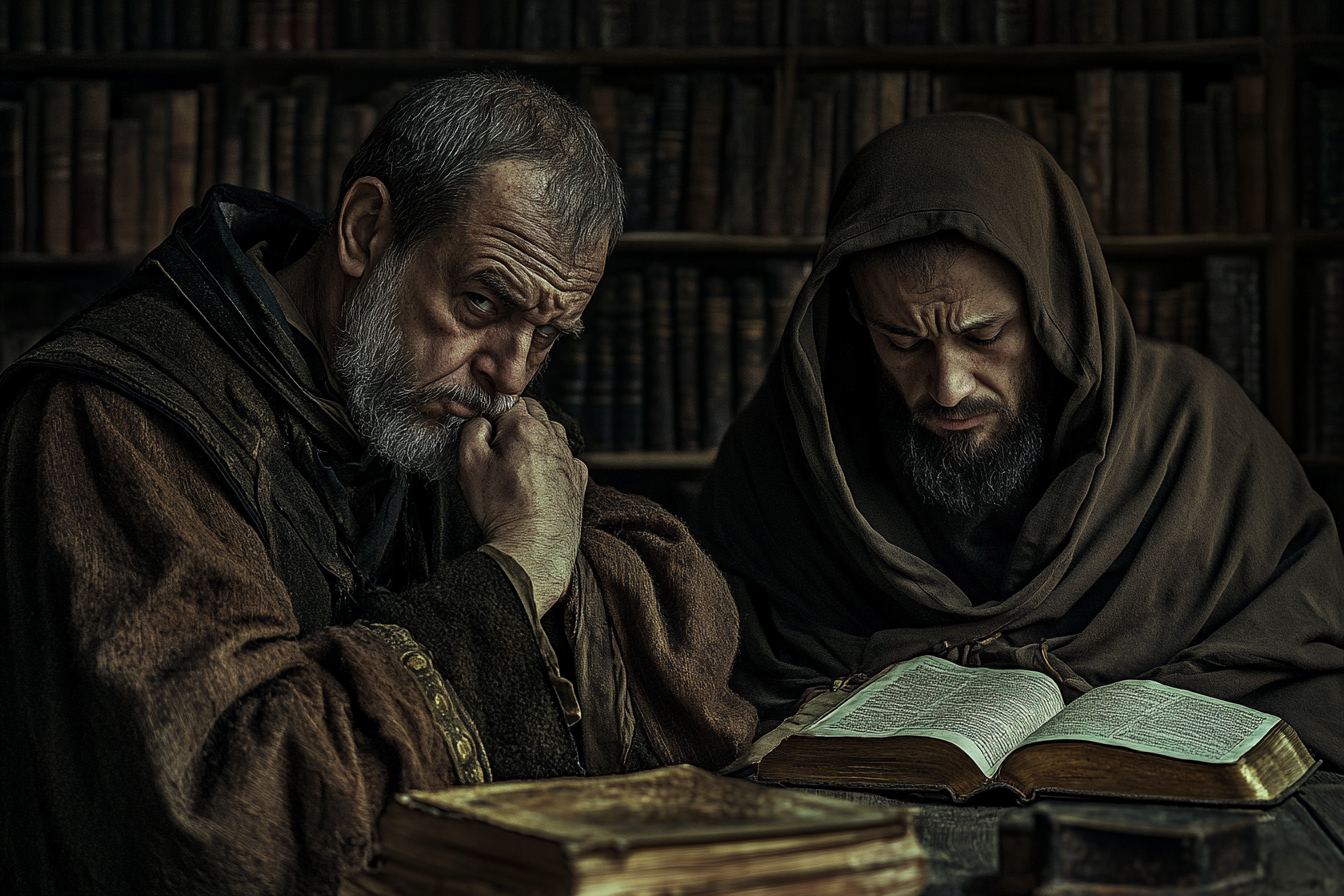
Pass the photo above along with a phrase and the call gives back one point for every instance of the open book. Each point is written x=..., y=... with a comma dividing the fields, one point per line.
x=928, y=724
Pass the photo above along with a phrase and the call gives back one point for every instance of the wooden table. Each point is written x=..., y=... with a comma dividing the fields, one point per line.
x=1301, y=840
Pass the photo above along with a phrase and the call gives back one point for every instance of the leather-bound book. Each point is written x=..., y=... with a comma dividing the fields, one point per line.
x=601, y=339
x=1184, y=20
x=1222, y=110
x=125, y=176
x=190, y=24
x=1044, y=123
x=207, y=147
x=613, y=23
x=1330, y=157
x=93, y=112
x=979, y=21
x=873, y=20
x=823, y=150
x=283, y=135
x=1140, y=300
x=865, y=114
x=742, y=156
x=637, y=159
x=156, y=128
x=11, y=177
x=812, y=26
x=744, y=23
x=231, y=147
x=1234, y=317
x=1130, y=26
x=60, y=30
x=1199, y=168
x=531, y=24
x=33, y=168
x=84, y=26
x=436, y=22
x=1194, y=325
x=226, y=31
x=1156, y=20
x=1168, y=185
x=798, y=167
x=257, y=145
x=1325, y=369
x=29, y=26
x=771, y=23
x=842, y=89
x=163, y=27
x=1167, y=314
x=890, y=99
x=686, y=349
x=567, y=379
x=705, y=151
x=310, y=172
x=603, y=102
x=716, y=359
x=919, y=90
x=660, y=419
x=949, y=22
x=669, y=162
x=785, y=277
x=1012, y=22
x=586, y=18
x=109, y=17
x=350, y=124
x=1132, y=181
x=750, y=339
x=257, y=29
x=1097, y=22
x=281, y=25
x=673, y=27
x=350, y=22
x=1095, y=145
x=306, y=24
x=628, y=313
x=184, y=123
x=844, y=23
x=1062, y=25
x=58, y=112
x=1209, y=15
x=1252, y=183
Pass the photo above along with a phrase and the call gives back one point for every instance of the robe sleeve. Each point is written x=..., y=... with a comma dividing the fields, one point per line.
x=169, y=730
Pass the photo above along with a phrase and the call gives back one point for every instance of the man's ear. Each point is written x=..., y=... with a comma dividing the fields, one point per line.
x=363, y=226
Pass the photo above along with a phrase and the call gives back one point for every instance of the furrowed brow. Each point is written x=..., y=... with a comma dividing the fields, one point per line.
x=495, y=283
x=979, y=323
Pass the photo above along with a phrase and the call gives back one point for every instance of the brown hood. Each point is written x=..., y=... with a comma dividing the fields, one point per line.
x=1177, y=538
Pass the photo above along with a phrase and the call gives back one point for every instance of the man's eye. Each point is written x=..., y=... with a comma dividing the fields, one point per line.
x=480, y=301
x=546, y=331
x=905, y=346
x=988, y=340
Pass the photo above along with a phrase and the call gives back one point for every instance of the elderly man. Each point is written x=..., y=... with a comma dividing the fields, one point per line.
x=281, y=538
x=962, y=449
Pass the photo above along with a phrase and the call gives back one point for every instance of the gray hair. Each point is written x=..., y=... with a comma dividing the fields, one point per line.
x=434, y=145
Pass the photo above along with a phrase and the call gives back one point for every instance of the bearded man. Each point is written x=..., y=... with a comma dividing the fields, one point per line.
x=962, y=449
x=282, y=537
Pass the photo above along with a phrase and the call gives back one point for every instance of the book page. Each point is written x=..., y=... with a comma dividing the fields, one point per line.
x=985, y=712
x=1155, y=718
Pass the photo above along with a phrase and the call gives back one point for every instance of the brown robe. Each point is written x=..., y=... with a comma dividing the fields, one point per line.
x=1176, y=539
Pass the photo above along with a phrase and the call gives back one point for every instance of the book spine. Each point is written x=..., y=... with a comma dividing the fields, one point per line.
x=917, y=97
x=772, y=23
x=629, y=317
x=207, y=150
x=163, y=28
x=110, y=25
x=231, y=146
x=823, y=149
x=670, y=151
x=84, y=25
x=672, y=22
x=686, y=346
x=184, y=129
x=569, y=374
x=873, y=16
x=1140, y=300
x=613, y=24
x=948, y=23
x=978, y=24
x=744, y=23
x=798, y=167
x=280, y=25
x=844, y=25
x=812, y=22
x=1328, y=371
x=1201, y=185
x=1095, y=145
x=60, y=26
x=30, y=26
x=57, y=164
x=716, y=359
x=1130, y=21
x=1104, y=22
x=11, y=177
x=1166, y=314
x=305, y=24
x=1062, y=25
x=311, y=137
x=190, y=25
x=1224, y=318
x=284, y=130
x=1012, y=22
x=93, y=105
x=228, y=25
x=1156, y=20
x=33, y=167
x=865, y=111
x=890, y=100
x=531, y=24
x=660, y=433
x=1168, y=185
x=1194, y=328
x=125, y=165
x=601, y=399
x=741, y=157
x=1252, y=183
x=257, y=146
x=1209, y=16
x=749, y=338
x=1329, y=168
x=1132, y=181
x=156, y=157
x=637, y=157
x=705, y=151
x=1225, y=157
x=1184, y=20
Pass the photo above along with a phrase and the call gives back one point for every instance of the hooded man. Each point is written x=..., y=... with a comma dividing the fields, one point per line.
x=282, y=539
x=963, y=449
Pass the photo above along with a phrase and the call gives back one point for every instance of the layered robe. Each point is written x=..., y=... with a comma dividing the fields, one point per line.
x=232, y=634
x=1174, y=536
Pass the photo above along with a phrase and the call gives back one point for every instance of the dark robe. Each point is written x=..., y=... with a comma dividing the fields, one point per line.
x=232, y=635
x=1175, y=537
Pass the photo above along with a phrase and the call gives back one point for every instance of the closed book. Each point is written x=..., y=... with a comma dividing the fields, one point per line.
x=1140, y=300
x=673, y=28
x=686, y=349
x=601, y=398
x=1099, y=21
x=669, y=166
x=30, y=26
x=1234, y=317
x=1168, y=185
x=257, y=146
x=1066, y=123
x=6, y=35
x=58, y=110
x=750, y=338
x=603, y=102
x=60, y=34
x=772, y=22
x=11, y=177
x=305, y=24
x=1329, y=166
x=785, y=278
x=93, y=112
x=257, y=30
x=280, y=25
x=1184, y=21
x=1157, y=20
x=1199, y=168
x=435, y=25
x=110, y=18
x=226, y=31
x=1194, y=326
x=33, y=167
x=1222, y=111
x=207, y=149
x=1012, y=22
x=1062, y=26
x=890, y=99
x=811, y=22
x=842, y=88
x=744, y=23
x=1209, y=15
x=1042, y=22
x=742, y=156
x=1095, y=145
x=531, y=24
x=660, y=420
x=190, y=24
x=1326, y=367
x=231, y=129
x=628, y=433
x=164, y=27
x=156, y=129
x=1252, y=183
x=470, y=28
x=716, y=359
x=184, y=127
x=918, y=92
x=613, y=24
x=798, y=167
x=637, y=159
x=567, y=380
x=1044, y=123
x=823, y=149
x=865, y=111
x=1308, y=155
x=284, y=130
x=1166, y=314
x=979, y=21
x=948, y=22
x=1132, y=182
x=125, y=193
x=705, y=151
x=844, y=23
x=1130, y=21
x=85, y=26
x=310, y=172
x=873, y=15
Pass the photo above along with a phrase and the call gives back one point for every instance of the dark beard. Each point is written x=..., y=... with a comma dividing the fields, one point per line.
x=962, y=476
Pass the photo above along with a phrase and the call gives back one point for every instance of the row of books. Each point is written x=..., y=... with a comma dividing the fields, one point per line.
x=1219, y=316
x=118, y=25
x=1325, y=362
x=672, y=353
x=1321, y=150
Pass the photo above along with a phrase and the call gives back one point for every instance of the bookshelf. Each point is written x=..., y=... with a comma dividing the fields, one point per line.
x=799, y=66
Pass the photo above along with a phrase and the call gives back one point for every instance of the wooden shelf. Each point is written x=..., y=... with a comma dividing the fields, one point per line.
x=649, y=460
x=1038, y=56
x=84, y=261
x=1182, y=243
x=671, y=241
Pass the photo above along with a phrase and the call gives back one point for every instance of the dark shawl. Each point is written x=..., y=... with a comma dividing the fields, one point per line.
x=1177, y=538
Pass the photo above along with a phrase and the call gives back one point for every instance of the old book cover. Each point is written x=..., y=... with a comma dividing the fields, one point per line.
x=1132, y=180
x=257, y=145
x=672, y=829
x=156, y=152
x=865, y=111
x=1233, y=283
x=85, y=26
x=184, y=128
x=660, y=429
x=669, y=154
x=637, y=124
x=567, y=379
x=1223, y=117
x=742, y=156
x=844, y=23
x=58, y=110
x=798, y=168
x=305, y=24
x=978, y=24
x=1184, y=20
x=284, y=132
x=189, y=26
x=1012, y=22
x=1325, y=369
x=1329, y=157
x=11, y=177
x=280, y=25
x=60, y=29
x=207, y=146
x=929, y=724
x=600, y=335
x=1194, y=324
x=823, y=163
x=93, y=112
x=1199, y=168
x=1252, y=183
x=628, y=434
x=30, y=26
x=750, y=349
x=1130, y=25
x=686, y=349
x=1095, y=146
x=1157, y=20
x=310, y=172
x=948, y=23
x=257, y=27
x=1061, y=25
x=716, y=359
x=125, y=193
x=1168, y=186
x=110, y=25
x=744, y=23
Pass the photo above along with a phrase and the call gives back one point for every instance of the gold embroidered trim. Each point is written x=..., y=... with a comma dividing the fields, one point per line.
x=456, y=727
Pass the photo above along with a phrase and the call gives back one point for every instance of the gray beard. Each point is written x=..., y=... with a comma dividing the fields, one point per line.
x=967, y=479
x=376, y=371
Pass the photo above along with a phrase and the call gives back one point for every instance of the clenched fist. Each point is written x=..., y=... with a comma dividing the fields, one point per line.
x=525, y=491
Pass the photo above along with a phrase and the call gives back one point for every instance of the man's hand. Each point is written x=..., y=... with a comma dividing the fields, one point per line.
x=525, y=491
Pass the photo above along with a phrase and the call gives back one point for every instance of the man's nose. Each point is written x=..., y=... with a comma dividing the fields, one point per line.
x=952, y=378
x=503, y=364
